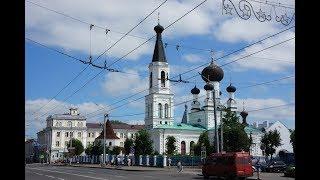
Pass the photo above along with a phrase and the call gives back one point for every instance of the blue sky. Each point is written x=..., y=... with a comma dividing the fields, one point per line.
x=47, y=71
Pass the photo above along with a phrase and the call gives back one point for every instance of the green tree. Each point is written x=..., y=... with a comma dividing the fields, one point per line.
x=271, y=140
x=203, y=141
x=170, y=145
x=293, y=140
x=97, y=149
x=116, y=150
x=143, y=143
x=77, y=144
x=88, y=150
x=234, y=136
x=127, y=145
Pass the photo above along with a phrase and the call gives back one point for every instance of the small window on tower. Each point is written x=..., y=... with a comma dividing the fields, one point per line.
x=163, y=79
x=199, y=120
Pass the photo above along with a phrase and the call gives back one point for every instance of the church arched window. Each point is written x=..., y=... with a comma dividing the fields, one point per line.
x=163, y=79
x=166, y=110
x=160, y=110
x=150, y=80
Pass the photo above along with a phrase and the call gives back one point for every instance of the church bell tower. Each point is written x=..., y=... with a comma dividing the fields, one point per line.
x=159, y=101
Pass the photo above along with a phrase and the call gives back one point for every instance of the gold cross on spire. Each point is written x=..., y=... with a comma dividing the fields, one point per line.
x=158, y=17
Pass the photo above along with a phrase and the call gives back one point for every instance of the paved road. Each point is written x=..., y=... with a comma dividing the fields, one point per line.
x=47, y=172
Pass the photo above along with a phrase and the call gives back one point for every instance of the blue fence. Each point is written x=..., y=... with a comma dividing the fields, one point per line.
x=157, y=161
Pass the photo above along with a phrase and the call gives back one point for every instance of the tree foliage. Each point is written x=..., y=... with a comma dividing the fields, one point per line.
x=143, y=143
x=271, y=140
x=77, y=144
x=170, y=145
x=127, y=145
x=116, y=150
x=203, y=141
x=293, y=140
x=234, y=136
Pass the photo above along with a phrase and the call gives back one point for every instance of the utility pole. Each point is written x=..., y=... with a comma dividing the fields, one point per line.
x=221, y=131
x=104, y=138
x=215, y=119
x=71, y=148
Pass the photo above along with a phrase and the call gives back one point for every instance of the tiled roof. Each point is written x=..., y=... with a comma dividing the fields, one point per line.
x=94, y=125
x=109, y=132
x=116, y=126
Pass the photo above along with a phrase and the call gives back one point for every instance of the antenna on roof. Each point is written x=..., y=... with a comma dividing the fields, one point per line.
x=158, y=17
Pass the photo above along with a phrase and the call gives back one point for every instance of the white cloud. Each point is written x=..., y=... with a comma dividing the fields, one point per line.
x=279, y=113
x=275, y=59
x=192, y=58
x=235, y=30
x=118, y=84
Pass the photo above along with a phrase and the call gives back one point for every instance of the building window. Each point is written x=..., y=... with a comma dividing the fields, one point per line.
x=121, y=144
x=121, y=135
x=58, y=134
x=166, y=110
x=57, y=124
x=57, y=143
x=67, y=134
x=92, y=134
x=79, y=134
x=89, y=134
x=110, y=143
x=69, y=123
x=160, y=110
x=163, y=79
x=132, y=135
x=150, y=80
x=71, y=134
x=199, y=120
x=160, y=122
x=66, y=143
x=166, y=122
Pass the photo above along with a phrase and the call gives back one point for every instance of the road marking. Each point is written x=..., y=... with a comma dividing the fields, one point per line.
x=50, y=176
x=70, y=174
x=38, y=174
x=118, y=176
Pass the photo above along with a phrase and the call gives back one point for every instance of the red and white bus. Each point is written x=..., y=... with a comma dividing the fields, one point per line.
x=228, y=165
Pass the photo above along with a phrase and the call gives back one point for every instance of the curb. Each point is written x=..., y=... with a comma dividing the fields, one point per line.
x=113, y=168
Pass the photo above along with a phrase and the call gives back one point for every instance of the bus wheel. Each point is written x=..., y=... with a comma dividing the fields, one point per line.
x=242, y=178
x=205, y=176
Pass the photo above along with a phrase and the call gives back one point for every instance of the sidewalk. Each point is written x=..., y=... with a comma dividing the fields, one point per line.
x=188, y=170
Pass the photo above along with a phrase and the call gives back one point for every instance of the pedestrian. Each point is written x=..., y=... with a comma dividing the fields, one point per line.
x=129, y=161
x=179, y=166
x=169, y=162
x=118, y=161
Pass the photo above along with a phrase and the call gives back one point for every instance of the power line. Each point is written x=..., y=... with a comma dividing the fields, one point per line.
x=222, y=57
x=254, y=110
x=106, y=51
x=268, y=82
x=100, y=27
x=259, y=51
x=289, y=6
x=221, y=65
x=137, y=47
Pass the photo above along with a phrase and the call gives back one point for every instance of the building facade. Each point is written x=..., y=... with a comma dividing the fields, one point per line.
x=60, y=129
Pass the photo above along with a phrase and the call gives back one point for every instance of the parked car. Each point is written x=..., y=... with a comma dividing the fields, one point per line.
x=259, y=163
x=276, y=166
x=290, y=171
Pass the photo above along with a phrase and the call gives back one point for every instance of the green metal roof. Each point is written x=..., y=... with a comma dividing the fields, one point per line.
x=252, y=129
x=181, y=126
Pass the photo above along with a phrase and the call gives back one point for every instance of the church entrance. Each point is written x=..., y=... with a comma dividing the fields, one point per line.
x=183, y=148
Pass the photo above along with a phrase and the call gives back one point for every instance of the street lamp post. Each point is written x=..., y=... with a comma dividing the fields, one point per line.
x=104, y=138
x=215, y=120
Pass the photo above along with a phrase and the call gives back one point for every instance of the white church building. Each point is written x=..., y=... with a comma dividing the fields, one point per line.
x=159, y=106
